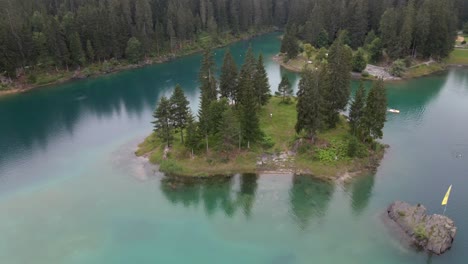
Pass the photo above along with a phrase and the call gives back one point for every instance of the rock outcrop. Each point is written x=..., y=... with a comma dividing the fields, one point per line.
x=434, y=233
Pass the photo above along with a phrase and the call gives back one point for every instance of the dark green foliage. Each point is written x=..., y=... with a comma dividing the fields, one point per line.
x=375, y=50
x=261, y=83
x=163, y=124
x=215, y=115
x=289, y=45
x=322, y=39
x=465, y=28
x=134, y=52
x=309, y=117
x=285, y=88
x=359, y=61
x=192, y=140
x=249, y=121
x=336, y=90
x=228, y=78
x=322, y=55
x=89, y=50
x=375, y=112
x=207, y=80
x=369, y=38
x=398, y=68
x=76, y=50
x=180, y=110
x=357, y=109
x=42, y=33
x=229, y=131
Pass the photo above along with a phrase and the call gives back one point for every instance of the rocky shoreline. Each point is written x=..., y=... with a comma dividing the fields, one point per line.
x=433, y=233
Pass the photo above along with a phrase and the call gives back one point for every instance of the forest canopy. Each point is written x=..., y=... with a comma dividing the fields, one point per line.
x=73, y=33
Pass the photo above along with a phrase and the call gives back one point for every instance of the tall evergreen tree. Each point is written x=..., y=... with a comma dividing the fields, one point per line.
x=163, y=125
x=208, y=93
x=285, y=88
x=308, y=106
x=357, y=109
x=89, y=51
x=375, y=112
x=359, y=62
x=134, y=52
x=336, y=90
x=228, y=78
x=261, y=83
x=76, y=49
x=180, y=110
x=250, y=124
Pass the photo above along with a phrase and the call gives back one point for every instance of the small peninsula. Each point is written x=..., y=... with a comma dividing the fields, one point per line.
x=241, y=128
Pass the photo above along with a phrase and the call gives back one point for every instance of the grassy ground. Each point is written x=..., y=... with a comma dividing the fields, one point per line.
x=459, y=57
x=423, y=70
x=326, y=159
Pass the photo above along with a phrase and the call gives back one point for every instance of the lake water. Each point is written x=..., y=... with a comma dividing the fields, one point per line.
x=71, y=190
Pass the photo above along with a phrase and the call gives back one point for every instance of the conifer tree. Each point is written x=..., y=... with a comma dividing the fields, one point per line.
x=208, y=91
x=163, y=125
x=134, y=50
x=374, y=112
x=322, y=39
x=289, y=45
x=192, y=140
x=180, y=110
x=261, y=83
x=229, y=131
x=90, y=51
x=250, y=124
x=228, y=79
x=309, y=118
x=246, y=76
x=359, y=61
x=336, y=90
x=76, y=49
x=357, y=109
x=285, y=88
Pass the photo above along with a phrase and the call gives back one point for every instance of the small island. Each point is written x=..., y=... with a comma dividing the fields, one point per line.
x=433, y=233
x=241, y=128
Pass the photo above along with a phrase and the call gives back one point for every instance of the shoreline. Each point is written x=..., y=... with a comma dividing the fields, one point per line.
x=70, y=76
x=409, y=75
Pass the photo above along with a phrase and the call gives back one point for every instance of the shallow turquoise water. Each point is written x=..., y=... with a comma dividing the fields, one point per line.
x=71, y=190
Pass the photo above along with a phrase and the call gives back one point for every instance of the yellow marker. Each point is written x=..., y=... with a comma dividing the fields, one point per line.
x=445, y=200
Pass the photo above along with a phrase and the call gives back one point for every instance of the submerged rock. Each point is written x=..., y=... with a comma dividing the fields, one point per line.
x=434, y=233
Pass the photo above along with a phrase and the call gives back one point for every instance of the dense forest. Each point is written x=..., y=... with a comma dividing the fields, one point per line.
x=70, y=33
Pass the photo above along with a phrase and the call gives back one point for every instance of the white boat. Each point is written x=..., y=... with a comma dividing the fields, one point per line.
x=394, y=111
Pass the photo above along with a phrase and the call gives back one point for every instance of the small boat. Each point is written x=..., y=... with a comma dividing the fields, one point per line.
x=394, y=111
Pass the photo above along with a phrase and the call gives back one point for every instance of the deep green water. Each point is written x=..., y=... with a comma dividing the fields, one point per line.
x=71, y=190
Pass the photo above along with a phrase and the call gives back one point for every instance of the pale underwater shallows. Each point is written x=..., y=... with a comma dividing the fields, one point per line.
x=71, y=190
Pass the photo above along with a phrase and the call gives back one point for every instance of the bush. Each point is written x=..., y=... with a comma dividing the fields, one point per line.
x=463, y=42
x=267, y=142
x=420, y=232
x=359, y=62
x=356, y=148
x=32, y=78
x=170, y=167
x=338, y=150
x=365, y=74
x=408, y=61
x=398, y=68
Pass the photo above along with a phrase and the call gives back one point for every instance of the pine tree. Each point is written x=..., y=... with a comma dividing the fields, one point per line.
x=163, y=125
x=289, y=45
x=285, y=88
x=308, y=106
x=336, y=90
x=89, y=51
x=229, y=131
x=375, y=112
x=309, y=49
x=246, y=76
x=134, y=50
x=228, y=78
x=261, y=83
x=208, y=93
x=357, y=109
x=375, y=50
x=250, y=124
x=180, y=110
x=192, y=140
x=322, y=39
x=359, y=61
x=76, y=49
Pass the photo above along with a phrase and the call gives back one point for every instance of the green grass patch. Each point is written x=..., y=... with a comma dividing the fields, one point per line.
x=458, y=56
x=423, y=70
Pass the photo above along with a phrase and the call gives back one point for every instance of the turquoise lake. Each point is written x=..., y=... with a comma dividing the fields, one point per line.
x=71, y=190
